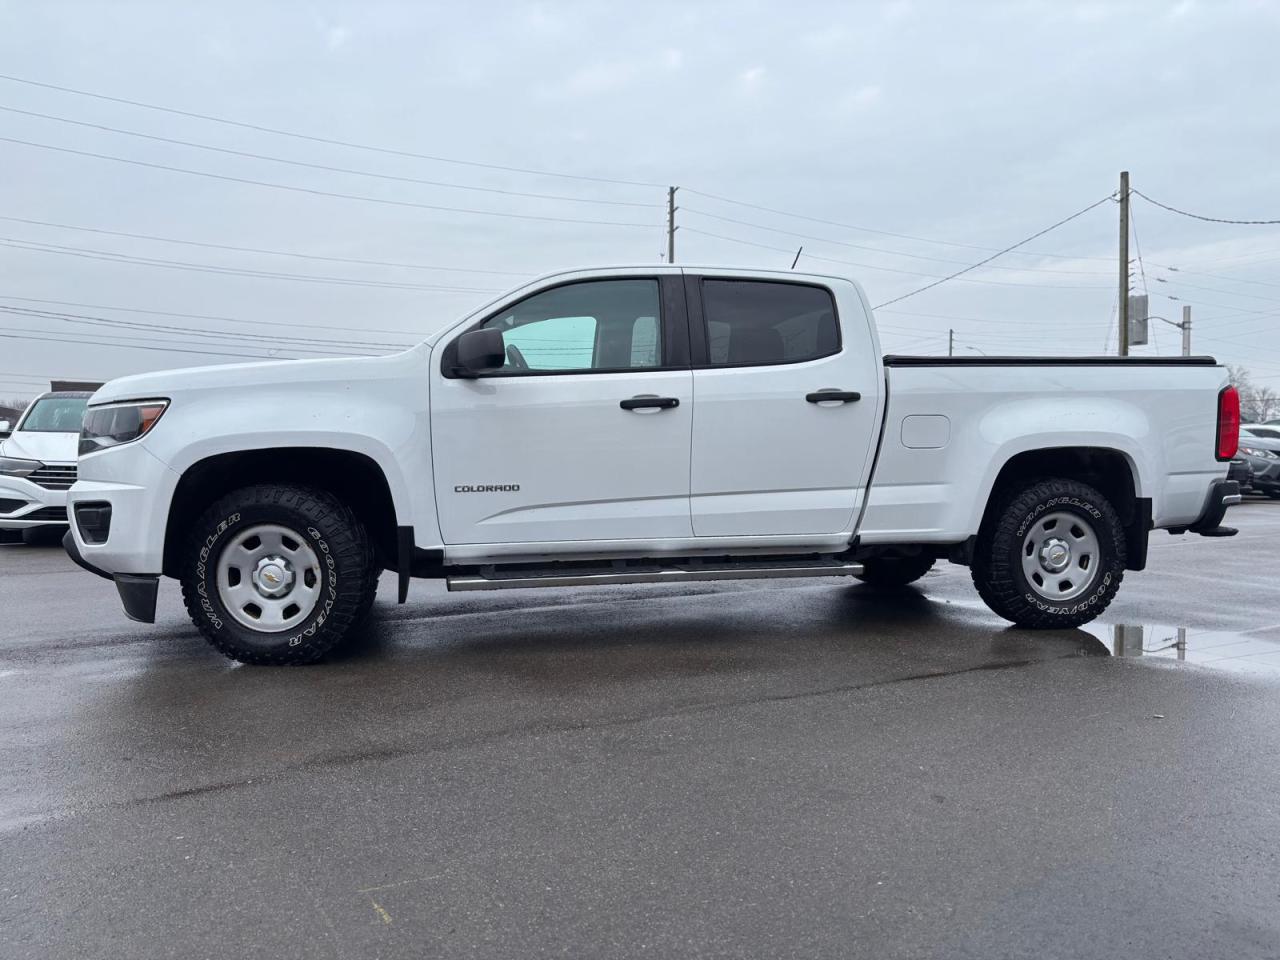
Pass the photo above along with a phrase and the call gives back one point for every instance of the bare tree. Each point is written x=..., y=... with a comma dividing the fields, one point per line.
x=1265, y=404
x=1257, y=404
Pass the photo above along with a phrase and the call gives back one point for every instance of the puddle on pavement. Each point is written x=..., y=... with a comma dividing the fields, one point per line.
x=1222, y=650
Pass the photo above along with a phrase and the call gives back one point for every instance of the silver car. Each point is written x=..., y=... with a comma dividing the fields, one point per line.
x=1260, y=449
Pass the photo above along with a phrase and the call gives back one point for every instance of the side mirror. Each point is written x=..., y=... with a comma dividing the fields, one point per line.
x=480, y=351
x=6, y=428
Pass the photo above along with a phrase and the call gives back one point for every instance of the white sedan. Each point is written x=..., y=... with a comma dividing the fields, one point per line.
x=38, y=461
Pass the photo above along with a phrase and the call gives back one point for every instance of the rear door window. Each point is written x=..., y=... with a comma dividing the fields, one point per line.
x=759, y=322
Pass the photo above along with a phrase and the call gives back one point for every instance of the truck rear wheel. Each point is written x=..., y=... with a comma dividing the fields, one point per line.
x=278, y=574
x=1052, y=557
x=895, y=571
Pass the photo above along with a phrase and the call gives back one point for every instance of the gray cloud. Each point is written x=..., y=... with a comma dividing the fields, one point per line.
x=971, y=123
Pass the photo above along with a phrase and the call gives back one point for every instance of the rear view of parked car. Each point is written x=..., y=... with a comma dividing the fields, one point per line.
x=38, y=462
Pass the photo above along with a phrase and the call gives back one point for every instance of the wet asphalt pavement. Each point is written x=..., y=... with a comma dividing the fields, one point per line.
x=761, y=769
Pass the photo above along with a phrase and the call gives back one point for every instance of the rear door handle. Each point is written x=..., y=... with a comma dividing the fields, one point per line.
x=826, y=396
x=643, y=402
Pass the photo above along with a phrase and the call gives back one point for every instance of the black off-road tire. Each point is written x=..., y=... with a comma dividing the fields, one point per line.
x=997, y=562
x=349, y=572
x=895, y=571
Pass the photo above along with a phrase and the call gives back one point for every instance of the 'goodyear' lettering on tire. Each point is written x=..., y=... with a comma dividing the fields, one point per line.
x=331, y=581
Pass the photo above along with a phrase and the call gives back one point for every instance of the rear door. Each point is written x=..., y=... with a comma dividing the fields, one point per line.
x=584, y=434
x=771, y=456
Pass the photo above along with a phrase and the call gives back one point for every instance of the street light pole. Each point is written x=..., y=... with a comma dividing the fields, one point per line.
x=1124, y=263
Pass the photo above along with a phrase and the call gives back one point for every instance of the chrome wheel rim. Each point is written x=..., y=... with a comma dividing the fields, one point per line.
x=1061, y=556
x=268, y=578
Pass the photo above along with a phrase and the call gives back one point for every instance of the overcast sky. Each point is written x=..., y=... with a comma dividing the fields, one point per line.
x=961, y=127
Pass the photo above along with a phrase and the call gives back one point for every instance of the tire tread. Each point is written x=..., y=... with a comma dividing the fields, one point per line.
x=992, y=570
x=348, y=541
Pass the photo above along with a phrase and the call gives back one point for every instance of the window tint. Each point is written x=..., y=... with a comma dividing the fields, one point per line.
x=764, y=321
x=594, y=325
x=56, y=415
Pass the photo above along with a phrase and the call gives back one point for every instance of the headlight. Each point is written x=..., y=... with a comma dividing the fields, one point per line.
x=13, y=467
x=1258, y=452
x=115, y=423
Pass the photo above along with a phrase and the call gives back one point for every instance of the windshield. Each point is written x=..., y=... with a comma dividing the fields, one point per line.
x=55, y=415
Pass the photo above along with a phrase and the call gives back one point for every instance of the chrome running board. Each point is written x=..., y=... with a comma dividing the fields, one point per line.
x=491, y=578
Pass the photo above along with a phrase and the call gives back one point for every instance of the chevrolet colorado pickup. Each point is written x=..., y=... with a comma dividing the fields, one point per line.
x=641, y=424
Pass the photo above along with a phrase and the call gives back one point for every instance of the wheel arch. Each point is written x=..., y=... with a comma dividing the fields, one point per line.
x=354, y=477
x=1109, y=470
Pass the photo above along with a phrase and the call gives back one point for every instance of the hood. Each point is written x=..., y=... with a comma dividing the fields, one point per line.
x=45, y=447
x=169, y=384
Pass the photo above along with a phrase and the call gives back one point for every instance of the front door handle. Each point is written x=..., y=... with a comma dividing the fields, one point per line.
x=826, y=396
x=643, y=402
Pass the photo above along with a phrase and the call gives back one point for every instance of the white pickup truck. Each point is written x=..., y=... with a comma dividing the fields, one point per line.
x=641, y=424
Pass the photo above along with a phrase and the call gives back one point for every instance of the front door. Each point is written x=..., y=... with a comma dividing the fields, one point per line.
x=584, y=433
x=771, y=457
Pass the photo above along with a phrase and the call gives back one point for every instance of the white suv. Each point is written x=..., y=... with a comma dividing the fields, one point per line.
x=38, y=461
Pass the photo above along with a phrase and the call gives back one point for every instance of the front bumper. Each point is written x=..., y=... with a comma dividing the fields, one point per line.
x=24, y=505
x=137, y=592
x=138, y=488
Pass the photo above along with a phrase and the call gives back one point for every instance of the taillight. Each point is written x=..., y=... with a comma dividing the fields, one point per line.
x=1228, y=423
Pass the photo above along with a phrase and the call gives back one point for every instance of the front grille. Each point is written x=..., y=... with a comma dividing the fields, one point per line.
x=8, y=506
x=54, y=477
x=55, y=514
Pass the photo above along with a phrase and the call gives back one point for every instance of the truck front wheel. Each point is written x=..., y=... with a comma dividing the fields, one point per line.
x=278, y=574
x=1052, y=557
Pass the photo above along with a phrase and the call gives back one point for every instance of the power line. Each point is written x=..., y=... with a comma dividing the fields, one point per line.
x=868, y=266
x=203, y=316
x=1142, y=272
x=883, y=233
x=1214, y=276
x=1196, y=216
x=111, y=257
x=1230, y=293
x=120, y=340
x=859, y=246
x=1040, y=233
x=321, y=193
x=148, y=345
x=322, y=166
x=231, y=335
x=258, y=250
x=332, y=142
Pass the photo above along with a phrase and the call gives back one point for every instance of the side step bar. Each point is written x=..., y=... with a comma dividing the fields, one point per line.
x=494, y=579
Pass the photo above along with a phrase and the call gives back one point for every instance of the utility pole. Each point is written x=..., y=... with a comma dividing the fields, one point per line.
x=1186, y=329
x=1124, y=263
x=951, y=343
x=671, y=224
